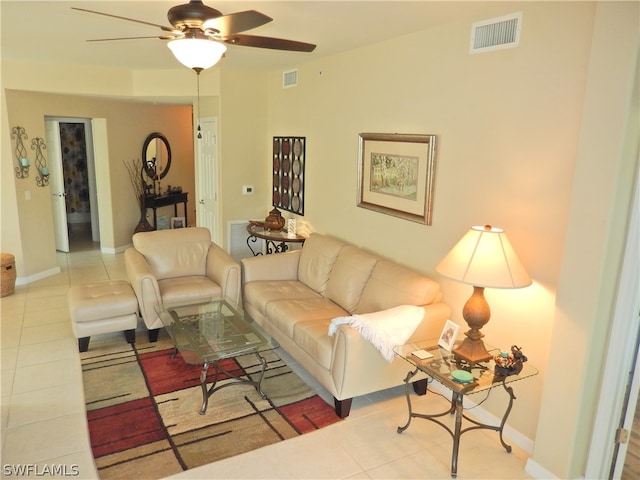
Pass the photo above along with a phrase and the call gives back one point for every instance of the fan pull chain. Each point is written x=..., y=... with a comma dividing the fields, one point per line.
x=198, y=70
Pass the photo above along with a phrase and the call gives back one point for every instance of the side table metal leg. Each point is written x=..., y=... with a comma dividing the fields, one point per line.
x=203, y=384
x=409, y=376
x=258, y=384
x=512, y=397
x=456, y=405
x=250, y=240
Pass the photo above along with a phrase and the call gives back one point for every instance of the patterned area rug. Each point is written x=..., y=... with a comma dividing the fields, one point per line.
x=143, y=409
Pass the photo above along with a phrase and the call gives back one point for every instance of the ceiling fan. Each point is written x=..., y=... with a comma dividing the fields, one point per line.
x=198, y=33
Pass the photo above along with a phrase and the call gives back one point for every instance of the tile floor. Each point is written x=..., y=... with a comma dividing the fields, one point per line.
x=43, y=416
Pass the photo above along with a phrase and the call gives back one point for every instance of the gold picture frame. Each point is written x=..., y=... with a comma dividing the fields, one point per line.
x=396, y=174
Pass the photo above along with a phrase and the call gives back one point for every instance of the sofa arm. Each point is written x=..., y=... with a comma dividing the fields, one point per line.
x=354, y=357
x=435, y=314
x=278, y=266
x=145, y=286
x=225, y=271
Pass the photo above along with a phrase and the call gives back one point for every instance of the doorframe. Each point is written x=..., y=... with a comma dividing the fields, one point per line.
x=91, y=167
x=621, y=359
x=217, y=233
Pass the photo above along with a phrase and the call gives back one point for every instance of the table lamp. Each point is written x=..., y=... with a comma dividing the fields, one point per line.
x=482, y=258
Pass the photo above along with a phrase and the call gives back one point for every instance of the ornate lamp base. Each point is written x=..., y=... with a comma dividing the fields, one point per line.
x=473, y=351
x=476, y=313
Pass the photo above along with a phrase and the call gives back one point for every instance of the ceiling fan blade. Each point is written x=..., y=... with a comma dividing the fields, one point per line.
x=237, y=22
x=163, y=27
x=268, y=42
x=123, y=38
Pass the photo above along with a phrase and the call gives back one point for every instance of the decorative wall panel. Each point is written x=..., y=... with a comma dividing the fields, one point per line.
x=288, y=173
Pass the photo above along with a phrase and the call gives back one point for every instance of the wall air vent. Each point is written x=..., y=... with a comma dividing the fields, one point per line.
x=290, y=78
x=496, y=33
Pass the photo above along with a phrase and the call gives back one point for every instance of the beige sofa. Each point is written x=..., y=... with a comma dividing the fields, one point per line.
x=183, y=264
x=296, y=296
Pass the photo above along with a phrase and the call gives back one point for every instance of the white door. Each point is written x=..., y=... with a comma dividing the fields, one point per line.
x=56, y=182
x=207, y=178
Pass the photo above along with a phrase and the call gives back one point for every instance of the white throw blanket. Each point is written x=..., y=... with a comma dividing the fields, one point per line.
x=386, y=329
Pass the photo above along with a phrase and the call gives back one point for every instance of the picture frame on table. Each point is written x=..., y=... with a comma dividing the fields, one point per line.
x=162, y=223
x=177, y=222
x=448, y=335
x=396, y=175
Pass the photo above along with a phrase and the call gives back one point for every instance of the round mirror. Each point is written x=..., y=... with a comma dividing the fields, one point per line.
x=156, y=156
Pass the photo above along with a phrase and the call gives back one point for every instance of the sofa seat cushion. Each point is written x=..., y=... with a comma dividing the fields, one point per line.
x=184, y=289
x=311, y=336
x=286, y=314
x=260, y=294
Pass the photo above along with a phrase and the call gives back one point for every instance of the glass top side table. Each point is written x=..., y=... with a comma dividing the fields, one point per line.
x=440, y=366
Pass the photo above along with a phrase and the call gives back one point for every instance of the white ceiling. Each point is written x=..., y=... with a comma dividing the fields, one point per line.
x=50, y=31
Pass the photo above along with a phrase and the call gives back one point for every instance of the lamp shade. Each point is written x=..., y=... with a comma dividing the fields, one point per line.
x=197, y=53
x=484, y=257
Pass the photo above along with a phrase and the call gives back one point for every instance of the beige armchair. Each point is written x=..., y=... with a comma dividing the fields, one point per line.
x=183, y=264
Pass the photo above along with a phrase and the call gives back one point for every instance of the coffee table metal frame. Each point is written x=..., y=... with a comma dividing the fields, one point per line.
x=439, y=367
x=206, y=332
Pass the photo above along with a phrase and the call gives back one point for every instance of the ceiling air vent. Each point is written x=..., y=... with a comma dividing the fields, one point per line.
x=290, y=78
x=496, y=33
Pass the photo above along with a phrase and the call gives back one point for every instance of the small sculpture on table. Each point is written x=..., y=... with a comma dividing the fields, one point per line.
x=509, y=363
x=274, y=221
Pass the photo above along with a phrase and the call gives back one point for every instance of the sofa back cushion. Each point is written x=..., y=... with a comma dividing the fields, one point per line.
x=175, y=253
x=391, y=285
x=317, y=257
x=349, y=275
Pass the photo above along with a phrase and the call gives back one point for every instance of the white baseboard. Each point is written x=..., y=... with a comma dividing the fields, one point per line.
x=37, y=276
x=536, y=470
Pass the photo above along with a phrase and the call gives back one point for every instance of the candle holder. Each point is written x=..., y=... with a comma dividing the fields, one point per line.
x=20, y=152
x=38, y=145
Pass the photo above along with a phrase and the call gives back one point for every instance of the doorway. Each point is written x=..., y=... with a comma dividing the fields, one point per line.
x=73, y=183
x=206, y=170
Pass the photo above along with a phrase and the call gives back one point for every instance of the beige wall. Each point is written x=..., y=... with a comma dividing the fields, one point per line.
x=507, y=124
x=514, y=129
x=529, y=139
x=244, y=145
x=128, y=124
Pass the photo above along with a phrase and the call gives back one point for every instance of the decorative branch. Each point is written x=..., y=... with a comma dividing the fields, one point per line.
x=134, y=168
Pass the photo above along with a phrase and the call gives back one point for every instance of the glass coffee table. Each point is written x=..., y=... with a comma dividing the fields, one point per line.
x=206, y=332
x=442, y=366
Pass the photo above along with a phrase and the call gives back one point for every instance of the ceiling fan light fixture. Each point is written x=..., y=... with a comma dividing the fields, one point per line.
x=197, y=53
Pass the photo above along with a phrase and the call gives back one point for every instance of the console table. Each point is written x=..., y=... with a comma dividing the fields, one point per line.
x=156, y=201
x=439, y=367
x=276, y=240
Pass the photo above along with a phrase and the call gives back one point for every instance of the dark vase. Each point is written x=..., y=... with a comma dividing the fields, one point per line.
x=143, y=224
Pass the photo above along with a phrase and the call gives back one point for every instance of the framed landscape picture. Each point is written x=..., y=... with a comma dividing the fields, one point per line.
x=396, y=175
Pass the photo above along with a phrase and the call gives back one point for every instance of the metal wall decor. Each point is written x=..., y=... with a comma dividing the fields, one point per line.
x=20, y=152
x=288, y=173
x=38, y=145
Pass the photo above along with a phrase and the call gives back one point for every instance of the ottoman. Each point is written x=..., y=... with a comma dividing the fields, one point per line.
x=102, y=308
